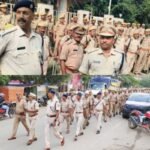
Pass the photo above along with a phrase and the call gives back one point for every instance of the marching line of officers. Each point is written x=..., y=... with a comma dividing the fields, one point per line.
x=70, y=107
x=36, y=45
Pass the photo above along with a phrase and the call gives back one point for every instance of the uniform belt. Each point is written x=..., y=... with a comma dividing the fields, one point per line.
x=79, y=112
x=64, y=112
x=21, y=113
x=51, y=116
x=98, y=110
x=33, y=115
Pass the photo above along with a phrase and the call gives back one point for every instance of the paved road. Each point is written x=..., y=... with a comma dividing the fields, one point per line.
x=115, y=135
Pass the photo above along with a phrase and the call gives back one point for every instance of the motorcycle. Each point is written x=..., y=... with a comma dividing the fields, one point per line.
x=43, y=101
x=138, y=119
x=11, y=110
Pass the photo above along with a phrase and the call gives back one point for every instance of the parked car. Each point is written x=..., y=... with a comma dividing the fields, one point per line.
x=136, y=101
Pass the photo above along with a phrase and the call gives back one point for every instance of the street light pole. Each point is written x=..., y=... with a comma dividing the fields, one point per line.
x=109, y=7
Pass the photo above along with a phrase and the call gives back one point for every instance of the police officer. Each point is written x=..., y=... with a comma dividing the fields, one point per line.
x=20, y=50
x=65, y=107
x=103, y=60
x=32, y=109
x=99, y=105
x=79, y=109
x=20, y=116
x=72, y=52
x=52, y=116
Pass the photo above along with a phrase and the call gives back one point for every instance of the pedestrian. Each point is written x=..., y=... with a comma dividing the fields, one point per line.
x=99, y=105
x=104, y=60
x=20, y=116
x=52, y=119
x=79, y=109
x=32, y=109
x=21, y=48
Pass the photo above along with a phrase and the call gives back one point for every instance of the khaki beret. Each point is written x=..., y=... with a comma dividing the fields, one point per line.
x=3, y=5
x=32, y=94
x=107, y=30
x=42, y=13
x=62, y=16
x=42, y=24
x=136, y=32
x=49, y=14
x=79, y=30
x=92, y=28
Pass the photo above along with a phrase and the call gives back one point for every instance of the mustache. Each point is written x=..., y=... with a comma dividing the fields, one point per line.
x=22, y=20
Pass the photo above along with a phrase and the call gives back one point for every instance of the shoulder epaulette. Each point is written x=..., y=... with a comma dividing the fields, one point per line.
x=92, y=51
x=69, y=41
x=8, y=31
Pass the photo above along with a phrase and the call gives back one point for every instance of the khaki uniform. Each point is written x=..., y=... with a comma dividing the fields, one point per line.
x=4, y=20
x=120, y=43
x=46, y=54
x=143, y=54
x=87, y=104
x=72, y=54
x=32, y=105
x=95, y=63
x=134, y=45
x=65, y=107
x=79, y=110
x=19, y=54
x=89, y=42
x=20, y=116
x=52, y=106
x=98, y=109
x=59, y=32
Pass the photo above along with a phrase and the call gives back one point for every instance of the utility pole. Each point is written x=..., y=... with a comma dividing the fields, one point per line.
x=109, y=7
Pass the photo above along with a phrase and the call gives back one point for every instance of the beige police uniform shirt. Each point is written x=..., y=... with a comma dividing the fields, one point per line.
x=21, y=106
x=19, y=54
x=72, y=54
x=145, y=43
x=120, y=43
x=65, y=106
x=52, y=106
x=133, y=45
x=99, y=104
x=32, y=105
x=79, y=106
x=95, y=63
x=89, y=42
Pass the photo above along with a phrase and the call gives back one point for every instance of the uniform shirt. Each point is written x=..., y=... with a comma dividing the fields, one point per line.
x=95, y=63
x=52, y=106
x=120, y=43
x=59, y=30
x=72, y=54
x=133, y=44
x=79, y=106
x=32, y=105
x=87, y=102
x=99, y=104
x=65, y=105
x=89, y=42
x=19, y=54
x=20, y=106
x=145, y=43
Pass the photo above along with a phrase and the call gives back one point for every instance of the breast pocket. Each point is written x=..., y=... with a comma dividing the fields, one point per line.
x=21, y=57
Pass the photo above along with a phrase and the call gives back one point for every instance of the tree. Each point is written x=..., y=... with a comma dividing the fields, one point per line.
x=4, y=80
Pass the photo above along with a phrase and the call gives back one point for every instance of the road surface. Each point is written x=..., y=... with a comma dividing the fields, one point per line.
x=115, y=135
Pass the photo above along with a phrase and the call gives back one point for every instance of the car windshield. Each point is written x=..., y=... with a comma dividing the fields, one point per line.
x=140, y=98
x=97, y=86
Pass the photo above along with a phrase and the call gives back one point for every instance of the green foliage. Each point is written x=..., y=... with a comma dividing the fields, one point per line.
x=129, y=81
x=145, y=81
x=131, y=10
x=4, y=80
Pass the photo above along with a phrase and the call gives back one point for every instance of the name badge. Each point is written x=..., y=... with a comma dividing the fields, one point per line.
x=21, y=48
x=75, y=50
x=96, y=62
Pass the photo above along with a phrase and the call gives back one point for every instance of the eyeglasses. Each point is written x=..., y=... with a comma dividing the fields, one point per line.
x=106, y=37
